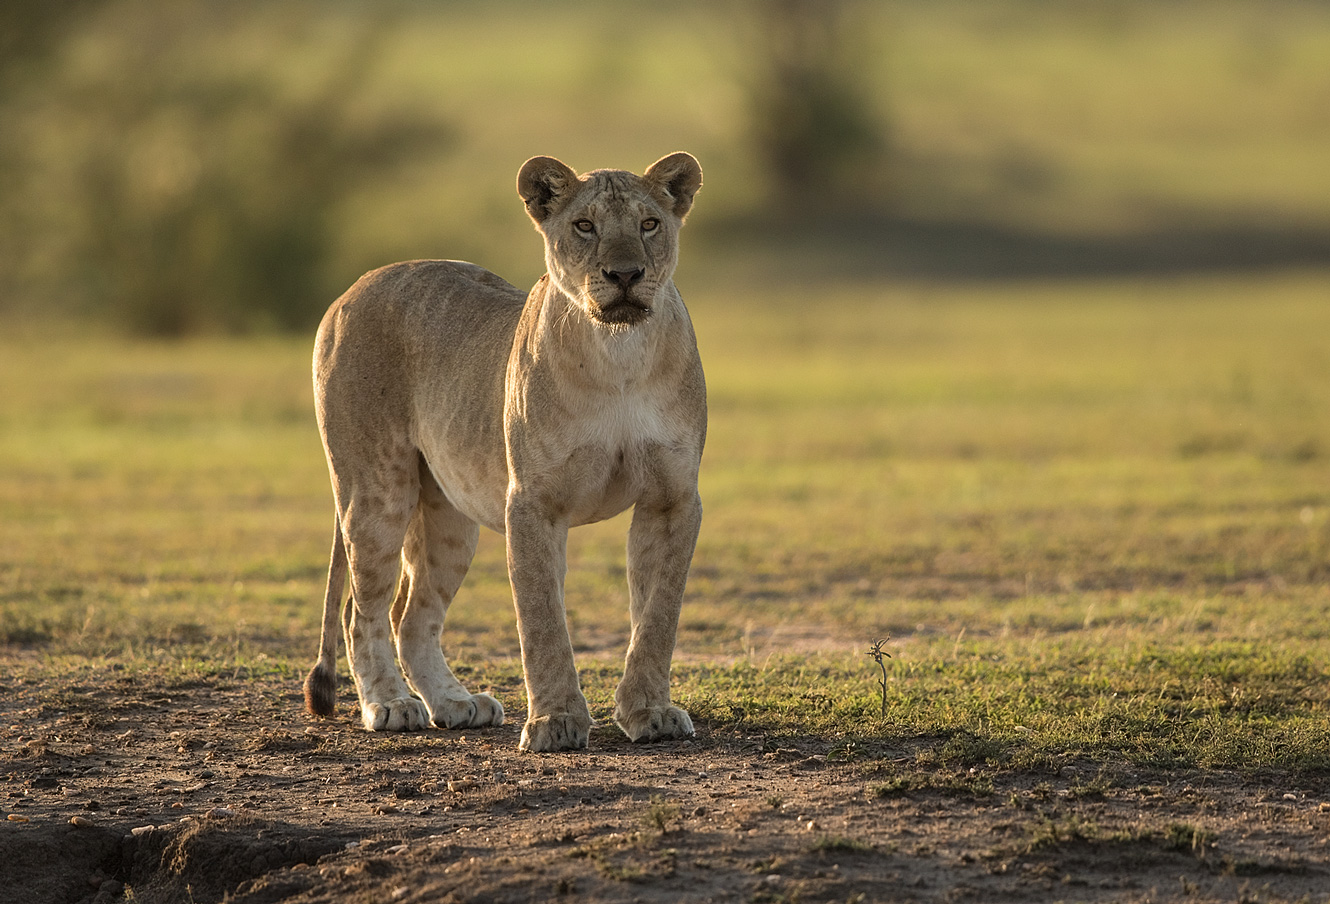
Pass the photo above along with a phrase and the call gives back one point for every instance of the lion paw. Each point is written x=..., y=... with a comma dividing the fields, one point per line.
x=400, y=714
x=655, y=723
x=489, y=711
x=564, y=731
x=476, y=711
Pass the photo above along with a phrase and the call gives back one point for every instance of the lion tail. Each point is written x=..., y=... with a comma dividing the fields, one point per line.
x=321, y=682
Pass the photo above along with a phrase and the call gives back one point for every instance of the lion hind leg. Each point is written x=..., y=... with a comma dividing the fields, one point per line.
x=440, y=544
x=374, y=527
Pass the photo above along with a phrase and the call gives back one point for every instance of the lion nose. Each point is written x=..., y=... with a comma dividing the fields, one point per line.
x=624, y=278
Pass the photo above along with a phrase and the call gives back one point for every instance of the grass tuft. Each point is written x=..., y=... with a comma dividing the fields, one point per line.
x=839, y=844
x=661, y=815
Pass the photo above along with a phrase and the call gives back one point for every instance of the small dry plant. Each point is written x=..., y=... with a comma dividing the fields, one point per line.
x=661, y=814
x=880, y=656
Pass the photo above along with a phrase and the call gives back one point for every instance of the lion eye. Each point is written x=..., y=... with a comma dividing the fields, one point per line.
x=650, y=225
x=586, y=227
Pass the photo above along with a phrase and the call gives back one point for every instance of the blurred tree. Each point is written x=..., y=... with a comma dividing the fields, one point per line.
x=29, y=28
x=814, y=123
x=195, y=194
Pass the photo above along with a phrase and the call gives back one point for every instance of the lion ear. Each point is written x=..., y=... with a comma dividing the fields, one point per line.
x=677, y=177
x=546, y=185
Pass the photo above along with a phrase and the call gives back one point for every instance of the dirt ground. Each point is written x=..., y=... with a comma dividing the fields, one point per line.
x=223, y=789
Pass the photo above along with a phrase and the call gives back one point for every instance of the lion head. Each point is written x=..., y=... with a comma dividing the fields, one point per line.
x=611, y=237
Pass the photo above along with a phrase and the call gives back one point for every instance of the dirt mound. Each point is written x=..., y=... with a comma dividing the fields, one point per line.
x=206, y=859
x=57, y=863
x=199, y=860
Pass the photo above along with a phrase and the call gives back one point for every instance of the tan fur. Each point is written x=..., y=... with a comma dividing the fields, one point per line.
x=447, y=400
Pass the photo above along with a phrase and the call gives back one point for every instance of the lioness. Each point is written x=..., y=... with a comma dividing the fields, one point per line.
x=447, y=399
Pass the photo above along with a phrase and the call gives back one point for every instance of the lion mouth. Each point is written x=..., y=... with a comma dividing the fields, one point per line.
x=623, y=310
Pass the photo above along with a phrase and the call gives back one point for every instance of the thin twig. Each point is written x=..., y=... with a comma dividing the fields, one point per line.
x=878, y=655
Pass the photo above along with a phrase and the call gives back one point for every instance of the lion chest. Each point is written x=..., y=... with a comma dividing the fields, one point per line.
x=600, y=457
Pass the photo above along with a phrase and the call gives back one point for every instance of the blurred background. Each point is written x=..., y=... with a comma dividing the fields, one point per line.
x=176, y=168
x=1015, y=313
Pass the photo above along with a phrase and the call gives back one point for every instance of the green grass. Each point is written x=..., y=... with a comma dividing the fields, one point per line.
x=1095, y=520
x=1110, y=117
x=1024, y=460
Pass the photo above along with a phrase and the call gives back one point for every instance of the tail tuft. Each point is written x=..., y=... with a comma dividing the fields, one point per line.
x=321, y=683
x=321, y=691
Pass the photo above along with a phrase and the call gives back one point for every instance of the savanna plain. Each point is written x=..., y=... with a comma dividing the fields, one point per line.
x=1091, y=522
x=1052, y=433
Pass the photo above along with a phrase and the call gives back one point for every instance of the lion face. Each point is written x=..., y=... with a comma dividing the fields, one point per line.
x=611, y=237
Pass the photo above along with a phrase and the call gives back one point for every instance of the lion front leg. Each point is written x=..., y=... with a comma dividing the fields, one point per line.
x=660, y=548
x=557, y=713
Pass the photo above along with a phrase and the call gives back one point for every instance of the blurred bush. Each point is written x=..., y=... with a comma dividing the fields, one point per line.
x=183, y=176
x=188, y=167
x=813, y=120
x=28, y=28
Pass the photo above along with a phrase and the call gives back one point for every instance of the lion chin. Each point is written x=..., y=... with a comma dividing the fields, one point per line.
x=623, y=311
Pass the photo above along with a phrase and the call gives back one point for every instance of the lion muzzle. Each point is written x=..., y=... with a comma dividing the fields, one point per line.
x=624, y=310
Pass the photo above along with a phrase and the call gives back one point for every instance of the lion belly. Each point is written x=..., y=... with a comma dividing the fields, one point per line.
x=477, y=492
